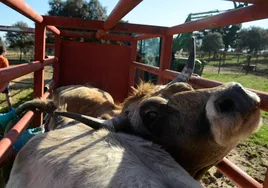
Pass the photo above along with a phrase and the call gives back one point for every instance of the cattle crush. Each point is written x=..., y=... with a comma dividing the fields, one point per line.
x=112, y=67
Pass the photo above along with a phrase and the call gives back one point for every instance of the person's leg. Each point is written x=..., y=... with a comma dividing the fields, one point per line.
x=8, y=98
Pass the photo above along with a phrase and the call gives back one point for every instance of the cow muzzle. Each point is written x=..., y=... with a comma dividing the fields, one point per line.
x=233, y=113
x=237, y=99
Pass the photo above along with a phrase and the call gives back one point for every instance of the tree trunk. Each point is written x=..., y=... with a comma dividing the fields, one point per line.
x=219, y=68
x=20, y=54
x=214, y=55
x=248, y=59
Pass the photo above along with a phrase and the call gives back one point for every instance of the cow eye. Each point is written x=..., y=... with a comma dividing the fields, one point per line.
x=151, y=115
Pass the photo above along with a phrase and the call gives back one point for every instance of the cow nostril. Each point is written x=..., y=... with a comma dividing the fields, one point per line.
x=225, y=105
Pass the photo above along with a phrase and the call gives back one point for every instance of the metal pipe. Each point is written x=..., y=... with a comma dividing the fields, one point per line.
x=12, y=136
x=146, y=36
x=197, y=82
x=236, y=16
x=115, y=37
x=23, y=8
x=122, y=8
x=145, y=67
x=95, y=24
x=49, y=61
x=237, y=175
x=12, y=72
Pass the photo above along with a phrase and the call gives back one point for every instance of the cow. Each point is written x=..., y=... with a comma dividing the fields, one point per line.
x=160, y=132
x=82, y=99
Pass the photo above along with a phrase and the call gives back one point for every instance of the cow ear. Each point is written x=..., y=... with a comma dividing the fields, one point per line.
x=153, y=114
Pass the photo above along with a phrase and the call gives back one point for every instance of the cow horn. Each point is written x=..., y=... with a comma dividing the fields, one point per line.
x=90, y=121
x=116, y=124
x=189, y=67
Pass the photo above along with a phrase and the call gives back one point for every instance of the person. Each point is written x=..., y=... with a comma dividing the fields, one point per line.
x=5, y=87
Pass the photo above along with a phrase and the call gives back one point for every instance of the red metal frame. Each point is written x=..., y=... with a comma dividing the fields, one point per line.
x=165, y=57
x=250, y=13
x=237, y=175
x=92, y=35
x=39, y=55
x=98, y=25
x=131, y=68
x=236, y=16
x=120, y=10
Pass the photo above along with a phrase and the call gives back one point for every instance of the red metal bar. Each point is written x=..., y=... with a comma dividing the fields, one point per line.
x=78, y=34
x=39, y=55
x=146, y=36
x=96, y=25
x=117, y=37
x=265, y=184
x=53, y=29
x=56, y=70
x=165, y=57
x=197, y=82
x=49, y=61
x=12, y=136
x=13, y=72
x=138, y=28
x=237, y=175
x=57, y=64
x=258, y=2
x=200, y=82
x=236, y=16
x=73, y=22
x=133, y=58
x=16, y=29
x=92, y=35
x=122, y=8
x=145, y=67
x=23, y=8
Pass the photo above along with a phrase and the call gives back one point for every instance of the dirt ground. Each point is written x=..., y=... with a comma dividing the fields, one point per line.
x=252, y=159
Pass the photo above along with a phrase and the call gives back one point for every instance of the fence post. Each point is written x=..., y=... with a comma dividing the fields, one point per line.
x=165, y=57
x=219, y=68
x=57, y=64
x=132, y=58
x=39, y=55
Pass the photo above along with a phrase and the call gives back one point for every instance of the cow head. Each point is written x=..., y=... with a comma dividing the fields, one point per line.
x=197, y=127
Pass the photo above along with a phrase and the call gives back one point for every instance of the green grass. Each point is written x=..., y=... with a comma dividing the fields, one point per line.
x=260, y=137
x=249, y=81
x=19, y=96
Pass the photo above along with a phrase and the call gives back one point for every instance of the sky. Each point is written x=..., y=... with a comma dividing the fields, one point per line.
x=150, y=12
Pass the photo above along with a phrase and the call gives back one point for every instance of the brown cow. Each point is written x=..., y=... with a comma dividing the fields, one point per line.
x=196, y=128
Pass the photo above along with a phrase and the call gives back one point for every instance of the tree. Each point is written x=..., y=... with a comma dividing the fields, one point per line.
x=1, y=42
x=78, y=9
x=212, y=43
x=229, y=33
x=23, y=41
x=252, y=39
